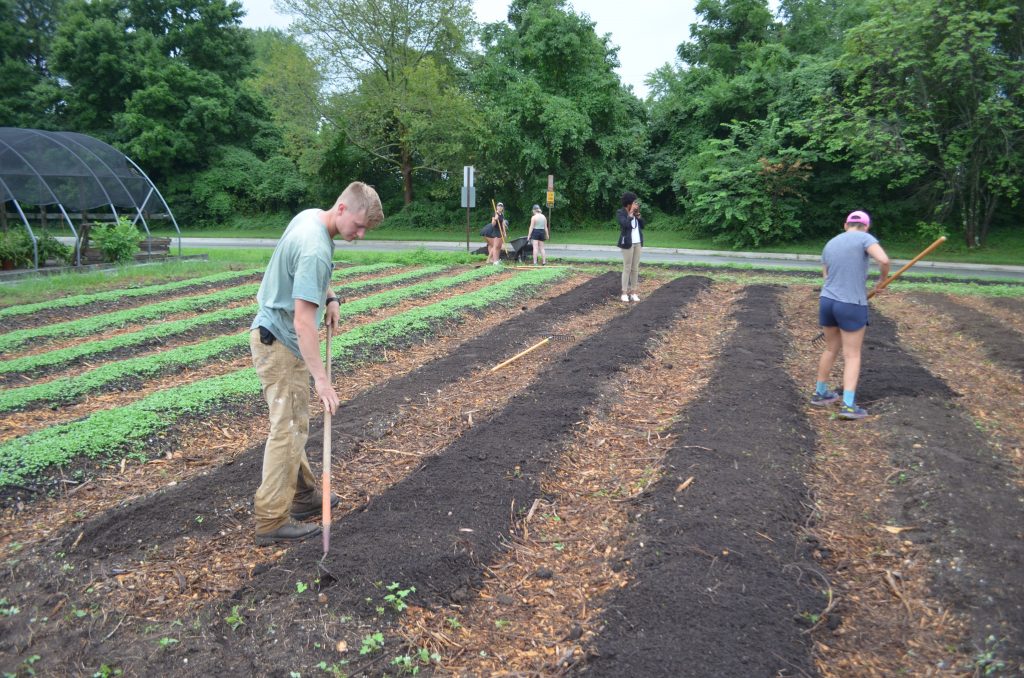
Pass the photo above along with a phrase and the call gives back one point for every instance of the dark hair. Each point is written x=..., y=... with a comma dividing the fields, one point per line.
x=628, y=198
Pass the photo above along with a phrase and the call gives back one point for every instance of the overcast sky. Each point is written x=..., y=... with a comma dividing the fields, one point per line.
x=646, y=32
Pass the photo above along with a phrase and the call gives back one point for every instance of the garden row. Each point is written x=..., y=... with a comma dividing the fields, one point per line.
x=83, y=327
x=124, y=430
x=650, y=496
x=33, y=365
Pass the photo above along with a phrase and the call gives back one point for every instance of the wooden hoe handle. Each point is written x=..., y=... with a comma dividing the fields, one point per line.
x=928, y=250
x=326, y=482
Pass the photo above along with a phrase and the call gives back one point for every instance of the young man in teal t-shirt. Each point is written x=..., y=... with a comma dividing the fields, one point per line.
x=285, y=345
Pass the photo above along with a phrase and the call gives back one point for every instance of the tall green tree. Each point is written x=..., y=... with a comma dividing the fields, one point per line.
x=167, y=82
x=726, y=31
x=555, y=105
x=158, y=76
x=933, y=100
x=28, y=90
x=395, y=68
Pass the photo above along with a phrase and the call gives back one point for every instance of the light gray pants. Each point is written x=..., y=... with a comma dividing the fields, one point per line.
x=631, y=270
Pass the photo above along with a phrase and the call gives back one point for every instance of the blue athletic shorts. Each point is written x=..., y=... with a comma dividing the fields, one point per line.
x=847, y=317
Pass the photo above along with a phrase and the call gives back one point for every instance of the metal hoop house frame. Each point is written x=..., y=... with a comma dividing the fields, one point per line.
x=76, y=173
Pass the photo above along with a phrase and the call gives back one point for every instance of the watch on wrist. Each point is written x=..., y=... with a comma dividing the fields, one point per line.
x=330, y=299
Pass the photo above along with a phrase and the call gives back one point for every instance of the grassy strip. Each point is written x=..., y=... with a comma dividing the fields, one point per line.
x=85, y=326
x=905, y=283
x=67, y=389
x=34, y=362
x=125, y=430
x=83, y=299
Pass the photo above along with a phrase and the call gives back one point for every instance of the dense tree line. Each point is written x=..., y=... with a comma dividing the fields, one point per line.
x=766, y=128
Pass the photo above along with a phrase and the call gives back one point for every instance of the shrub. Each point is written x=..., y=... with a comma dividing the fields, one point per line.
x=15, y=249
x=118, y=242
x=428, y=215
x=51, y=248
x=748, y=189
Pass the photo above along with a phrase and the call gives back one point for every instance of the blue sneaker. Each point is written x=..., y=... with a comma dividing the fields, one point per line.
x=847, y=412
x=826, y=398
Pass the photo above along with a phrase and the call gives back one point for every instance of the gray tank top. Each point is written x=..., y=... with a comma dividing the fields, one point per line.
x=541, y=222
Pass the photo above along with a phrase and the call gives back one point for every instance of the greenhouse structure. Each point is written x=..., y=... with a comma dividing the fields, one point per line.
x=77, y=175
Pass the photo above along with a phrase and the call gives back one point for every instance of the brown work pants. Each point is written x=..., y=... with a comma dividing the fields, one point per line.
x=286, y=473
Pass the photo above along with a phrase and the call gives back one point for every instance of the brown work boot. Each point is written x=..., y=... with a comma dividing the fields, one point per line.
x=312, y=507
x=291, y=531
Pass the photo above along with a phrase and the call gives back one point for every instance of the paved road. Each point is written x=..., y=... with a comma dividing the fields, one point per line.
x=660, y=254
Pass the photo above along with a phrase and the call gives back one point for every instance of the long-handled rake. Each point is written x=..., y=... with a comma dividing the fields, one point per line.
x=501, y=229
x=531, y=349
x=326, y=489
x=819, y=340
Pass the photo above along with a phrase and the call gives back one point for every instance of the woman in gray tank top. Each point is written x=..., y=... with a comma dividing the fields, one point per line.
x=539, y=232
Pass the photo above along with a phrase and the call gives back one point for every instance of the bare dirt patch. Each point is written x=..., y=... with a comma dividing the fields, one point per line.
x=885, y=619
x=541, y=600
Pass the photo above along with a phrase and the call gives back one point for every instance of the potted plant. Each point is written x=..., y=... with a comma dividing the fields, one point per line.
x=15, y=250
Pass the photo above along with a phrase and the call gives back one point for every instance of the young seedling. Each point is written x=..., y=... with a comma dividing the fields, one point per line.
x=405, y=665
x=234, y=620
x=372, y=643
x=396, y=597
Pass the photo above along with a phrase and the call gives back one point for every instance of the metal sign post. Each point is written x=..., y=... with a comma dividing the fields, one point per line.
x=551, y=198
x=468, y=196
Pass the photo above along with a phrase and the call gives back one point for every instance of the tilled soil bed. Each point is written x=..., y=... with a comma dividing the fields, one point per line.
x=574, y=513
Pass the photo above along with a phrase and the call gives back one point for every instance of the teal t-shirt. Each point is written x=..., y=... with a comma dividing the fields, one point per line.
x=300, y=268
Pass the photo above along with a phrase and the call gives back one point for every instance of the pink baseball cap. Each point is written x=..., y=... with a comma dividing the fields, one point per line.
x=858, y=217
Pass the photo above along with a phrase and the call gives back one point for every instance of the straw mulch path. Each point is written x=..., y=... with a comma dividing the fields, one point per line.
x=885, y=621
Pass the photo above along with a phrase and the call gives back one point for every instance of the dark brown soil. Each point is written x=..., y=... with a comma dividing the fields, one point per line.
x=723, y=581
x=1003, y=344
x=411, y=533
x=365, y=417
x=103, y=546
x=437, y=529
x=964, y=497
x=724, y=578
x=1015, y=304
x=815, y=274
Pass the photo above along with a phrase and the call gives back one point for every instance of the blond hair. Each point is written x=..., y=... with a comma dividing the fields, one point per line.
x=362, y=197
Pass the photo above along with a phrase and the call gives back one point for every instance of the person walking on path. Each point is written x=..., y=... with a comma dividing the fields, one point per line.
x=492, y=231
x=539, y=232
x=285, y=344
x=843, y=308
x=631, y=241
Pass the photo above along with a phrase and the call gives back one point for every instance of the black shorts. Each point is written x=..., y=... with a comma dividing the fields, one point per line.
x=490, y=231
x=538, y=234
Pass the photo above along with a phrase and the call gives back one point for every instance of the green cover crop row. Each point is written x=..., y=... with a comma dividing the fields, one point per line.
x=27, y=364
x=124, y=430
x=82, y=327
x=66, y=389
x=83, y=299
